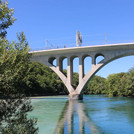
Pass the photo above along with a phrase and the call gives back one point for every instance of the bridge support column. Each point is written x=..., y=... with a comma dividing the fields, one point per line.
x=75, y=96
x=70, y=71
x=57, y=63
x=81, y=69
x=93, y=60
x=60, y=64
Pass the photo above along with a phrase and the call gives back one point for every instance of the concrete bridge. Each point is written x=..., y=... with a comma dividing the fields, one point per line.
x=109, y=52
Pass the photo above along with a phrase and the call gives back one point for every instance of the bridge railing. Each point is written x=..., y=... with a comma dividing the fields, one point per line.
x=72, y=45
x=87, y=41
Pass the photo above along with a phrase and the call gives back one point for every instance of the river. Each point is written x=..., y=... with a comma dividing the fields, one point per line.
x=95, y=114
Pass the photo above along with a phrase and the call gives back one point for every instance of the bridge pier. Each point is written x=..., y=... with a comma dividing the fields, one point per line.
x=75, y=96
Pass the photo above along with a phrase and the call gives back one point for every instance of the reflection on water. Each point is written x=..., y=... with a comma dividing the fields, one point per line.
x=75, y=110
x=96, y=114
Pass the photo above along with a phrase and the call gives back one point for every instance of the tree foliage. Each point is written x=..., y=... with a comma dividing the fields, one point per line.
x=42, y=80
x=121, y=84
x=6, y=18
x=14, y=59
x=95, y=86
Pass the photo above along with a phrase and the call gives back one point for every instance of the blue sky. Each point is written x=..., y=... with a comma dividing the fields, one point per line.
x=58, y=20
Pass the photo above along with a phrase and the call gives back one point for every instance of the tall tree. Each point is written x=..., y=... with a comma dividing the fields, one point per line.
x=14, y=59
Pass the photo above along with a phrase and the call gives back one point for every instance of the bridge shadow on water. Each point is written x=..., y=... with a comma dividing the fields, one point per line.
x=74, y=119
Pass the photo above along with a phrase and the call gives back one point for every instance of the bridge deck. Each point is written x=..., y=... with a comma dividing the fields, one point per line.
x=84, y=49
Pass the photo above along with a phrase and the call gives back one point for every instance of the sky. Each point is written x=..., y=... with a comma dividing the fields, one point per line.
x=58, y=20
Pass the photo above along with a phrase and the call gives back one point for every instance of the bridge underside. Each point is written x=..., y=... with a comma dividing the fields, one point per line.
x=109, y=53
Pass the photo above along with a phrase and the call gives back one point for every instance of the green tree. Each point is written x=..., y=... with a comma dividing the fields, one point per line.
x=115, y=84
x=95, y=86
x=42, y=80
x=129, y=82
x=14, y=59
x=6, y=18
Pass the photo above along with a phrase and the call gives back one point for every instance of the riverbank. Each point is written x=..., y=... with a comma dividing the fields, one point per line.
x=52, y=96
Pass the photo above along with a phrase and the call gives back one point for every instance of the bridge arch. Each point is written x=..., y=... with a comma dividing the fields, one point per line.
x=65, y=63
x=73, y=57
x=86, y=59
x=51, y=60
x=100, y=65
x=100, y=56
x=85, y=55
x=61, y=59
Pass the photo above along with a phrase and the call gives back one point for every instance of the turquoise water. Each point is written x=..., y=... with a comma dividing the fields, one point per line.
x=93, y=115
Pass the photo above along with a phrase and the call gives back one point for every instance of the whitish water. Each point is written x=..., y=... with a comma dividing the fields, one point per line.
x=93, y=115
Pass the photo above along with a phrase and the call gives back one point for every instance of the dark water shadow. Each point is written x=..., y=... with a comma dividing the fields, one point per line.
x=74, y=119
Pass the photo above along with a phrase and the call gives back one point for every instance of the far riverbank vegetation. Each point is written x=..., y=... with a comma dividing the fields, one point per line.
x=42, y=80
